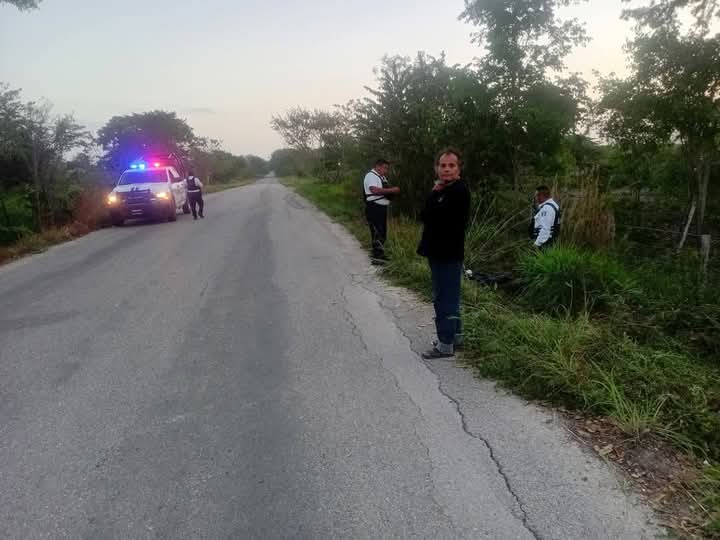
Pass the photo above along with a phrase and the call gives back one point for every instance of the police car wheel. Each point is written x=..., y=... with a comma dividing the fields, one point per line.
x=117, y=222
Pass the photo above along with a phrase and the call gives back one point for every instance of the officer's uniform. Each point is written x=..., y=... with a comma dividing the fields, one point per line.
x=194, y=192
x=376, y=212
x=547, y=222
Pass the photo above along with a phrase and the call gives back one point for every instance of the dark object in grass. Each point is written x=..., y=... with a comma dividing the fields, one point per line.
x=489, y=279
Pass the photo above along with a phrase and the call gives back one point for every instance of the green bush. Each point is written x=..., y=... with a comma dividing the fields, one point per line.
x=565, y=280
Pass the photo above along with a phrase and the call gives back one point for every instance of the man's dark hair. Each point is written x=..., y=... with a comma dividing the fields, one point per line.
x=449, y=151
x=380, y=162
x=543, y=190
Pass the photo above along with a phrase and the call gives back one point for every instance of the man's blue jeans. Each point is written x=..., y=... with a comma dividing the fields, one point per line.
x=446, y=283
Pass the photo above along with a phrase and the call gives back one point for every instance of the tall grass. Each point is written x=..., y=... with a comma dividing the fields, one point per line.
x=708, y=487
x=490, y=242
x=586, y=364
x=588, y=219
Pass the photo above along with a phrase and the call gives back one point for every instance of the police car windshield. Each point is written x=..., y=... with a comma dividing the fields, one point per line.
x=150, y=176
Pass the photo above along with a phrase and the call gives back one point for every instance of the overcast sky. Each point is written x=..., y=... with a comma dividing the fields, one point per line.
x=227, y=66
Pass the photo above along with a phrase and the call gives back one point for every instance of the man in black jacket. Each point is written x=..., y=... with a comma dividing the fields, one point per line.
x=445, y=219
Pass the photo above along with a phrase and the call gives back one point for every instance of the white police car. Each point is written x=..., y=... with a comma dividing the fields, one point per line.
x=151, y=189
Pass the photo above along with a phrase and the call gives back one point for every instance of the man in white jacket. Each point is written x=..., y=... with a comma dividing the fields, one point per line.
x=194, y=193
x=547, y=220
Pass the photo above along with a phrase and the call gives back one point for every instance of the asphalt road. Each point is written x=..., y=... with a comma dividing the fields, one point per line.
x=248, y=376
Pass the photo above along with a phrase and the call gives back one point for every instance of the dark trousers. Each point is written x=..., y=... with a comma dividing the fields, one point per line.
x=196, y=200
x=376, y=215
x=446, y=283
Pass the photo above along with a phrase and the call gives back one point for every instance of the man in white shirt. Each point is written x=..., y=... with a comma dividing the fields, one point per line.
x=377, y=199
x=194, y=193
x=547, y=219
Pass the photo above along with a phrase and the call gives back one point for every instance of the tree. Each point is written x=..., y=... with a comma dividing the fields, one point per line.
x=31, y=135
x=418, y=107
x=126, y=138
x=257, y=165
x=23, y=5
x=663, y=13
x=298, y=128
x=320, y=136
x=673, y=97
x=287, y=162
x=10, y=118
x=523, y=41
x=306, y=130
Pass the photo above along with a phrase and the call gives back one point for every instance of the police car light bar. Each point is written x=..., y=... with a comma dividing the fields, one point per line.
x=155, y=162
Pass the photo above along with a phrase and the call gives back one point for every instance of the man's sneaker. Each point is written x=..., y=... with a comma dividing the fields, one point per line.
x=458, y=344
x=435, y=353
x=202, y=216
x=377, y=262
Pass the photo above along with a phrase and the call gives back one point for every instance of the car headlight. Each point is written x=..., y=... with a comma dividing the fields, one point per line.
x=112, y=199
x=163, y=195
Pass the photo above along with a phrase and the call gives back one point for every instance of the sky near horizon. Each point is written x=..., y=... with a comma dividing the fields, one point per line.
x=227, y=66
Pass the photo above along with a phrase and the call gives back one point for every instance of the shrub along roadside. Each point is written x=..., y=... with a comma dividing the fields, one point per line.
x=88, y=214
x=579, y=359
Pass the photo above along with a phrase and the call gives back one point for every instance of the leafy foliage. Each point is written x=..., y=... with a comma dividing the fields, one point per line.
x=672, y=97
x=127, y=138
x=23, y=5
x=523, y=41
x=661, y=13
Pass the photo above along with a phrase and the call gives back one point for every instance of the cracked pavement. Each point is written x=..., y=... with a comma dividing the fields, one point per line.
x=249, y=376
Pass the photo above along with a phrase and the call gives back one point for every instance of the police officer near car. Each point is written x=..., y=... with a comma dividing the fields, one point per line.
x=546, y=220
x=194, y=193
x=378, y=193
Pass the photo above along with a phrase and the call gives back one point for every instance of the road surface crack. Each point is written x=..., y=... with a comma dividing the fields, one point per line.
x=493, y=457
x=464, y=424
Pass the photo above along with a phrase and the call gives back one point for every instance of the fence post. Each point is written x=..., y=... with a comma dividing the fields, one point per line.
x=704, y=257
x=687, y=225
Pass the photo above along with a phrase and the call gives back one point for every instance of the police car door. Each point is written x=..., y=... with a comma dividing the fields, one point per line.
x=178, y=187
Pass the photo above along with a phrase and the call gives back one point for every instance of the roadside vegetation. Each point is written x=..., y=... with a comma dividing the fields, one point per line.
x=621, y=321
x=588, y=331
